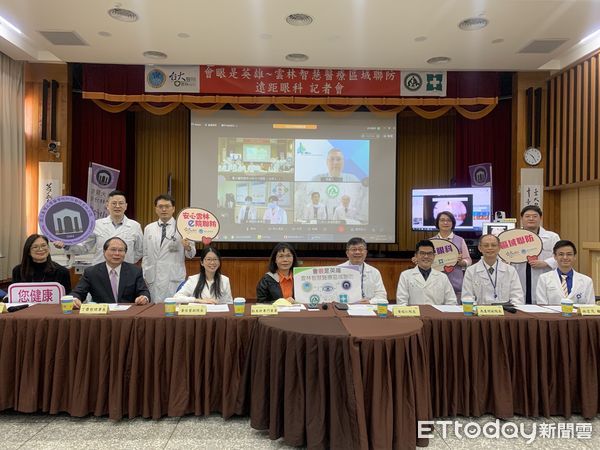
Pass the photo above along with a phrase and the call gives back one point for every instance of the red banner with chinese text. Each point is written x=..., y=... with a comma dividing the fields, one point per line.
x=241, y=80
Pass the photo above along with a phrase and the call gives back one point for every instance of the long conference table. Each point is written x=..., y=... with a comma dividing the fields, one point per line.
x=318, y=379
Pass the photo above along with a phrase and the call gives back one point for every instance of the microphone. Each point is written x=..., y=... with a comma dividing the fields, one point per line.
x=325, y=306
x=17, y=308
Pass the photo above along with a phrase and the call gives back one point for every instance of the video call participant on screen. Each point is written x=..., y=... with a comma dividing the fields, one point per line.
x=247, y=212
x=445, y=222
x=372, y=287
x=37, y=265
x=165, y=251
x=114, y=280
x=274, y=214
x=422, y=285
x=335, y=168
x=491, y=280
x=115, y=225
x=345, y=211
x=315, y=210
x=210, y=285
x=278, y=282
x=565, y=282
x=529, y=272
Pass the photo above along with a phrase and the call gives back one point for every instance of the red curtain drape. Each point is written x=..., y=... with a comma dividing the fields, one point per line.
x=104, y=138
x=487, y=140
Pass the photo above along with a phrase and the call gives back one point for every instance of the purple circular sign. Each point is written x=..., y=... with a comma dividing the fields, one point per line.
x=67, y=219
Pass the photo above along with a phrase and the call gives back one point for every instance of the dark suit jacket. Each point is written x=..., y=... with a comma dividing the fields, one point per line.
x=96, y=282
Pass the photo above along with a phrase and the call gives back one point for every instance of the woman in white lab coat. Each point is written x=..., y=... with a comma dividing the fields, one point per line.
x=210, y=285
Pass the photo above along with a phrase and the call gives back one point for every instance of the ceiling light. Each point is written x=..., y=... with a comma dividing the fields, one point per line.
x=152, y=54
x=420, y=38
x=473, y=24
x=123, y=15
x=104, y=33
x=590, y=36
x=438, y=60
x=183, y=35
x=296, y=57
x=3, y=21
x=299, y=19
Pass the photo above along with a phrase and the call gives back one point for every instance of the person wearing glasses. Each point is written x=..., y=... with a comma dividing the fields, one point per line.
x=210, y=285
x=117, y=224
x=422, y=285
x=565, y=281
x=165, y=251
x=114, y=280
x=371, y=283
x=37, y=265
x=278, y=282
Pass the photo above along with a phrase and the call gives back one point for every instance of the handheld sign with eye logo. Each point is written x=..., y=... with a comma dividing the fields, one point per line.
x=519, y=246
x=446, y=255
x=197, y=224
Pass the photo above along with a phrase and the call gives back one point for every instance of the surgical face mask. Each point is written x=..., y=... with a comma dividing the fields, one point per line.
x=272, y=205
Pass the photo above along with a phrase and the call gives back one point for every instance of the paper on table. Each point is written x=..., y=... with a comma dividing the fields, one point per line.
x=555, y=308
x=293, y=308
x=117, y=307
x=536, y=309
x=449, y=308
x=217, y=308
x=361, y=310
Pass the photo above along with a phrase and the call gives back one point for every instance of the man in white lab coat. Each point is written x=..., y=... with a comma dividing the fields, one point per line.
x=423, y=285
x=315, y=210
x=164, y=251
x=529, y=272
x=564, y=282
x=371, y=283
x=491, y=280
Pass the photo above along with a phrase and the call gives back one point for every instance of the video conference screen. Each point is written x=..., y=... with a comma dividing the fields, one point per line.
x=313, y=178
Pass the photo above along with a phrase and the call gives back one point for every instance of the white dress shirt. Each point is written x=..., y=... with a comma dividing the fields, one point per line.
x=549, y=290
x=186, y=293
x=413, y=289
x=479, y=284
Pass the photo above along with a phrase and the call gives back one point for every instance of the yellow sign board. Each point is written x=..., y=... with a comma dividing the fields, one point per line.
x=94, y=308
x=406, y=311
x=192, y=309
x=490, y=310
x=263, y=310
x=588, y=310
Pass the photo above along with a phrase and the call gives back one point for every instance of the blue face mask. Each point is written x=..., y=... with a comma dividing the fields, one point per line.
x=272, y=205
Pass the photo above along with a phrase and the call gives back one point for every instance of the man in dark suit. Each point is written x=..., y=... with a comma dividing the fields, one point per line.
x=113, y=281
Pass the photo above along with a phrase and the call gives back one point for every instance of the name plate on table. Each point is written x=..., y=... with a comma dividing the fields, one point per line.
x=490, y=310
x=588, y=310
x=263, y=310
x=86, y=308
x=406, y=311
x=2, y=308
x=192, y=310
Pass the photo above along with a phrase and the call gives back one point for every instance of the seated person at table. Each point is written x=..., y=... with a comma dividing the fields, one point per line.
x=576, y=286
x=491, y=280
x=209, y=286
x=371, y=283
x=423, y=285
x=37, y=265
x=112, y=281
x=278, y=282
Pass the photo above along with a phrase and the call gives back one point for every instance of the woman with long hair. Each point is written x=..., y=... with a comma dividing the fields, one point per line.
x=210, y=285
x=278, y=282
x=37, y=265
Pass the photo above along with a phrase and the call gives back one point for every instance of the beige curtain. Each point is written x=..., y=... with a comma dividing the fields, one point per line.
x=12, y=164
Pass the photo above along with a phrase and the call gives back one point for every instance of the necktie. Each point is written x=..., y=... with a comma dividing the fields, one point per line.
x=246, y=214
x=315, y=211
x=163, y=234
x=346, y=210
x=491, y=270
x=114, y=284
x=563, y=285
x=527, y=284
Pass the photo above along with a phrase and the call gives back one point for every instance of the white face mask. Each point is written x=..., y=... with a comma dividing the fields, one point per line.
x=272, y=205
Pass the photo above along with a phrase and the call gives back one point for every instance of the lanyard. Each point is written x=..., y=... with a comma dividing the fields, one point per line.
x=362, y=274
x=495, y=282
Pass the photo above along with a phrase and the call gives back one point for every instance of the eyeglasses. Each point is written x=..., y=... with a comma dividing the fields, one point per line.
x=117, y=203
x=357, y=249
x=209, y=260
x=117, y=250
x=39, y=247
x=428, y=254
x=164, y=206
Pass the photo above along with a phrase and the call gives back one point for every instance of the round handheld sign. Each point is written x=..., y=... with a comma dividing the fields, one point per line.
x=446, y=255
x=197, y=224
x=519, y=246
x=67, y=219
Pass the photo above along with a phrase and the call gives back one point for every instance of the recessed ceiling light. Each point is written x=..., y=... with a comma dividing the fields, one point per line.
x=497, y=41
x=473, y=24
x=104, y=33
x=438, y=60
x=590, y=36
x=296, y=57
x=420, y=38
x=152, y=54
x=299, y=19
x=183, y=35
x=122, y=14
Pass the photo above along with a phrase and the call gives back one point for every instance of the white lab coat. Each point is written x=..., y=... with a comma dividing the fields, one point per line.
x=251, y=213
x=413, y=289
x=164, y=265
x=309, y=212
x=340, y=213
x=549, y=238
x=186, y=293
x=549, y=291
x=130, y=231
x=275, y=216
x=372, y=283
x=477, y=284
